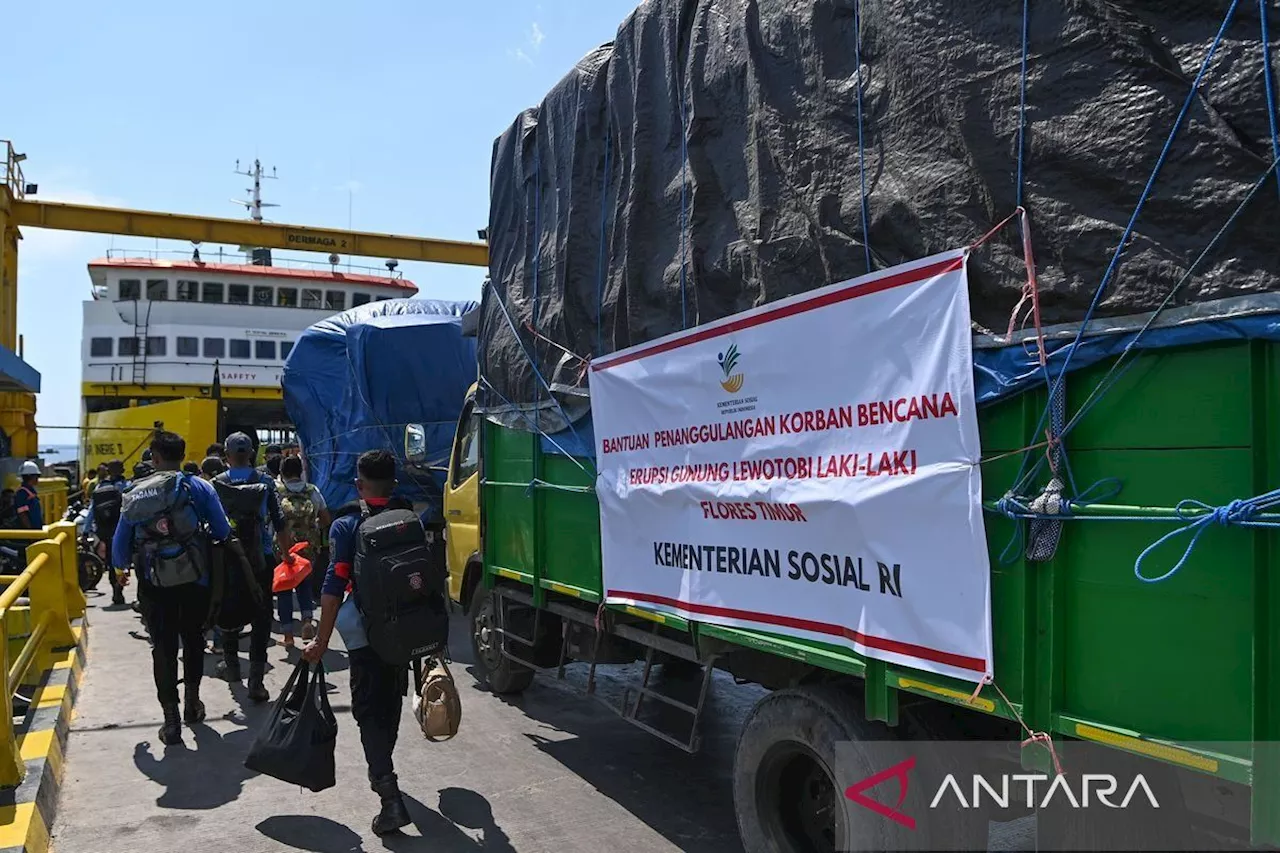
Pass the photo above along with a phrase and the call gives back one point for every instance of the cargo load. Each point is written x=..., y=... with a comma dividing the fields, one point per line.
x=354, y=381
x=715, y=156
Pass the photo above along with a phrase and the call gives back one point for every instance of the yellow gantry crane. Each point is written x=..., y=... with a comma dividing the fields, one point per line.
x=19, y=382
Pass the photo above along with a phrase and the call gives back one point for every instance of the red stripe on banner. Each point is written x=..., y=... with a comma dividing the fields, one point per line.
x=964, y=662
x=878, y=285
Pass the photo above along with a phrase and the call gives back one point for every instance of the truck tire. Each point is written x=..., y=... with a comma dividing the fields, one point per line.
x=503, y=675
x=786, y=793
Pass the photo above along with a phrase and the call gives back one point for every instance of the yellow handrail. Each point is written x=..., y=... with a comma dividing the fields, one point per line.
x=50, y=582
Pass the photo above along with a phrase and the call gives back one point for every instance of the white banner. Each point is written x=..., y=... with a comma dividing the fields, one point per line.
x=809, y=468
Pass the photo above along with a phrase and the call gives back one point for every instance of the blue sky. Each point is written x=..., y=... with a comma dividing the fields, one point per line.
x=391, y=105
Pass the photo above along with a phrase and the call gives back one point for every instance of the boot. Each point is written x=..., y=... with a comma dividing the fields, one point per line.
x=229, y=667
x=257, y=690
x=192, y=707
x=171, y=731
x=117, y=596
x=394, y=814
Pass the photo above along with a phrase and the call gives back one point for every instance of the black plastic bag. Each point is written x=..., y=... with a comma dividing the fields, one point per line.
x=297, y=743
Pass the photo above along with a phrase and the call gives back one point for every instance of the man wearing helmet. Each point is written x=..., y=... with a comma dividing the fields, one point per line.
x=26, y=502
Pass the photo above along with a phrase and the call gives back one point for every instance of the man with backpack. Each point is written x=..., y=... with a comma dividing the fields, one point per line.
x=251, y=503
x=305, y=511
x=104, y=515
x=395, y=614
x=168, y=522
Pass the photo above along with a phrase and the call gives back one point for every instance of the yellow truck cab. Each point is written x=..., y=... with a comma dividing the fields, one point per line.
x=462, y=505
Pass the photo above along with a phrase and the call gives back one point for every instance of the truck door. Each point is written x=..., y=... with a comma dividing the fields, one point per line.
x=462, y=498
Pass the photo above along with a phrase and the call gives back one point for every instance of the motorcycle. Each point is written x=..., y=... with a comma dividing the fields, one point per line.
x=89, y=565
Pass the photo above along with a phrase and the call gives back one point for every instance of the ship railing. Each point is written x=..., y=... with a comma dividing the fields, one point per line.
x=37, y=608
x=220, y=256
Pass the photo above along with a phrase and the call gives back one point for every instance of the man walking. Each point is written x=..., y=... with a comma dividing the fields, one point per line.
x=377, y=687
x=168, y=522
x=251, y=502
x=104, y=515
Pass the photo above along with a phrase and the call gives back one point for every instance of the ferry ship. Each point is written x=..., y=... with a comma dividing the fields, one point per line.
x=197, y=347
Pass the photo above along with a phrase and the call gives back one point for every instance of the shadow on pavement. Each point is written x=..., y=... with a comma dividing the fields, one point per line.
x=688, y=799
x=211, y=775
x=312, y=833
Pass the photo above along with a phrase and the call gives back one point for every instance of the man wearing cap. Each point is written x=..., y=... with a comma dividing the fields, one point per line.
x=258, y=522
x=272, y=451
x=26, y=502
x=104, y=515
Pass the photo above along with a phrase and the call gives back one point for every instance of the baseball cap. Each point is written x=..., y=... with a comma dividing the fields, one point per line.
x=238, y=442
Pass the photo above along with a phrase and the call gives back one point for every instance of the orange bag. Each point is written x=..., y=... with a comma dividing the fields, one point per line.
x=289, y=575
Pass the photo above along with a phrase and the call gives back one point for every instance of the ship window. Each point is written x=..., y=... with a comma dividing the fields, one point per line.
x=156, y=346
x=215, y=348
x=239, y=349
x=100, y=347
x=311, y=298
x=383, y=298
x=261, y=295
x=128, y=346
x=188, y=291
x=265, y=350
x=212, y=291
x=158, y=289
x=130, y=288
x=335, y=300
x=189, y=346
x=286, y=347
x=238, y=294
x=359, y=299
x=287, y=297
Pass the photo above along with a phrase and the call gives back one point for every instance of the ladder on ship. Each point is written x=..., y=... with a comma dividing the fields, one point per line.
x=141, y=324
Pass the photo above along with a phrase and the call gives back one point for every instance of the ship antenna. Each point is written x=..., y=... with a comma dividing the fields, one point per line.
x=254, y=203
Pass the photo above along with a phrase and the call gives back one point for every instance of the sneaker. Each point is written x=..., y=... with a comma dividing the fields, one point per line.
x=308, y=631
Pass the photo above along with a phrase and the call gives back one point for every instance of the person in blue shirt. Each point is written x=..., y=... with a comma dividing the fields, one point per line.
x=104, y=516
x=377, y=687
x=26, y=501
x=270, y=523
x=167, y=525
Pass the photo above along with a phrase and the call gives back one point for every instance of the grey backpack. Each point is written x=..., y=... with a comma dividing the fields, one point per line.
x=165, y=529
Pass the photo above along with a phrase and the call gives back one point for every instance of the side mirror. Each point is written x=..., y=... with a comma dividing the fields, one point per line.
x=415, y=443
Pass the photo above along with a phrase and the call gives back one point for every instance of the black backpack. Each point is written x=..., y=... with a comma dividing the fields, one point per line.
x=400, y=589
x=107, y=500
x=243, y=502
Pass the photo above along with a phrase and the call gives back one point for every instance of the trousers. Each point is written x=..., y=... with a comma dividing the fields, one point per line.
x=175, y=615
x=259, y=630
x=284, y=605
x=377, y=699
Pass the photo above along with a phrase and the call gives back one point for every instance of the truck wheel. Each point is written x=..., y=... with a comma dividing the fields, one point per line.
x=502, y=674
x=785, y=792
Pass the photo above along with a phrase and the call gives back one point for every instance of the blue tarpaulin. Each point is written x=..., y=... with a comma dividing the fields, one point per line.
x=353, y=381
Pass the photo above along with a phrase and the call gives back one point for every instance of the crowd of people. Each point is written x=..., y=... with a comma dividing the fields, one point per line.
x=200, y=542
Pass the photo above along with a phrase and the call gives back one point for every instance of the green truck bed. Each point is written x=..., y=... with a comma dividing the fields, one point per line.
x=1183, y=670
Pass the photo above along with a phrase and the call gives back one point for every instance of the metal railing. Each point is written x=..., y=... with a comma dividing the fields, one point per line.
x=47, y=593
x=13, y=177
x=221, y=256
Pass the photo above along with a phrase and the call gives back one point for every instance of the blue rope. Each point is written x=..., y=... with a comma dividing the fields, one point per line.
x=1242, y=513
x=1023, y=475
x=862, y=157
x=537, y=429
x=684, y=206
x=604, y=196
x=1267, y=74
x=1022, y=97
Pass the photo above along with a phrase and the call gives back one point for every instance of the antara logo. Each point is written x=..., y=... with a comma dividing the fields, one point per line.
x=1006, y=790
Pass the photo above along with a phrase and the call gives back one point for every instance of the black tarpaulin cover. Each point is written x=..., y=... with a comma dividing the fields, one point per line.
x=707, y=161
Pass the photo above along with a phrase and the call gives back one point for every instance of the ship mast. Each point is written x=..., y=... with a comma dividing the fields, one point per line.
x=254, y=204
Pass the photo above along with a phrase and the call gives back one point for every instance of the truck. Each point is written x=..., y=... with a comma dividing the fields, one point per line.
x=709, y=163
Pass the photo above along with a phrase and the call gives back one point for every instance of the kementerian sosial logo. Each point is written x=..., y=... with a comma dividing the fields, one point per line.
x=732, y=382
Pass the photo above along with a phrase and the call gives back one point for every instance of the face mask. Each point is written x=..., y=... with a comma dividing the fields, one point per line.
x=295, y=485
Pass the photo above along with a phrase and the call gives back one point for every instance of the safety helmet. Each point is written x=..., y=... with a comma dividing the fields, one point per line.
x=29, y=469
